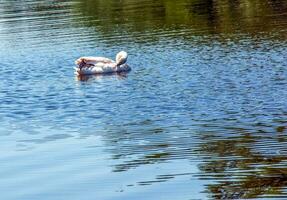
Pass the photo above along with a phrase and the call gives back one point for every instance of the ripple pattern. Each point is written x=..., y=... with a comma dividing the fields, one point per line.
x=202, y=114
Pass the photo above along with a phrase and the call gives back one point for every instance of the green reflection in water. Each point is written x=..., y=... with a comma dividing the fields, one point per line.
x=240, y=168
x=200, y=16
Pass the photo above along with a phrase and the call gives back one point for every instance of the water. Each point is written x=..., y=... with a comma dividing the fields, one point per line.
x=202, y=114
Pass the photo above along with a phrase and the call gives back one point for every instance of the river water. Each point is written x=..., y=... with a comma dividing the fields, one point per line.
x=202, y=114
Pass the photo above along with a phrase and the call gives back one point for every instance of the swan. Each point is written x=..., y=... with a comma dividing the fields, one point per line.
x=101, y=65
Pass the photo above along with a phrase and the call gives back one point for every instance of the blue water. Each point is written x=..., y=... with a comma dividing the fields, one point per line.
x=202, y=114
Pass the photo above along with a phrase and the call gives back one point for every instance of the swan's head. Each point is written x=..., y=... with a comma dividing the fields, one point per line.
x=121, y=58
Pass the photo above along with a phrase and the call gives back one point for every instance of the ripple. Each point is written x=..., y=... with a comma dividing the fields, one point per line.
x=204, y=104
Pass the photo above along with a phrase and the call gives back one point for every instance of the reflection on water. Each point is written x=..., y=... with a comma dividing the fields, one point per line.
x=241, y=169
x=157, y=19
x=201, y=115
x=121, y=75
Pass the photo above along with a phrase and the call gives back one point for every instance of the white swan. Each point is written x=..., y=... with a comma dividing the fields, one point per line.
x=101, y=65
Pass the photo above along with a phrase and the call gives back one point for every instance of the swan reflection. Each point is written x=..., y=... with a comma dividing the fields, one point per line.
x=115, y=75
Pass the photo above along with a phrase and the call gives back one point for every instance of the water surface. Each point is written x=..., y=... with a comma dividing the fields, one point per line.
x=202, y=114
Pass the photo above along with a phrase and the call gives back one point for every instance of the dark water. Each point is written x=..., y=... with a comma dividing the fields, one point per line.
x=202, y=115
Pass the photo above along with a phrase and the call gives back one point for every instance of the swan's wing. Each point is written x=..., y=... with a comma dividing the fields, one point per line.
x=98, y=68
x=93, y=60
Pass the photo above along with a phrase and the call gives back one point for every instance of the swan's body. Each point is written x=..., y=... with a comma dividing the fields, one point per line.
x=101, y=65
